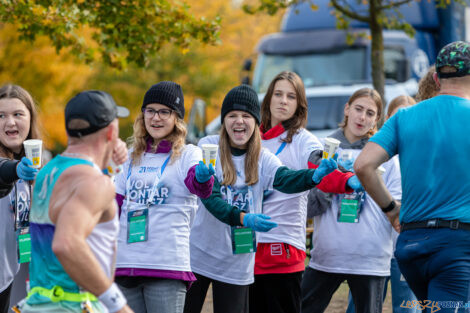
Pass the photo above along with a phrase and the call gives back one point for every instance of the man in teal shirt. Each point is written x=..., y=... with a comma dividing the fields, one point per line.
x=432, y=141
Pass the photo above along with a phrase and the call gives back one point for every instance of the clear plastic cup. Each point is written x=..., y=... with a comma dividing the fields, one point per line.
x=209, y=153
x=33, y=151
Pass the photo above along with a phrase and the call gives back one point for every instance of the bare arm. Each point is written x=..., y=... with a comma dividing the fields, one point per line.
x=83, y=199
x=365, y=166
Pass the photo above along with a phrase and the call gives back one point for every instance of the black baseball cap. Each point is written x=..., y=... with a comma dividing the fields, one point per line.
x=95, y=107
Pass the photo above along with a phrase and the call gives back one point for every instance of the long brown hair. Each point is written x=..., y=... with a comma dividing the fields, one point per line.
x=299, y=119
x=251, y=159
x=10, y=91
x=399, y=101
x=374, y=95
x=138, y=141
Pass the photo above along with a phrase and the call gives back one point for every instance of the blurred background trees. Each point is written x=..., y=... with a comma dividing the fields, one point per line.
x=205, y=55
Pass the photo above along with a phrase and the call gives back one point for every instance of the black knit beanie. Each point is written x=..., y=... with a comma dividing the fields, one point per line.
x=166, y=93
x=242, y=98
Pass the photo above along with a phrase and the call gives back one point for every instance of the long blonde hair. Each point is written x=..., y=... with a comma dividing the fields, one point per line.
x=138, y=141
x=251, y=159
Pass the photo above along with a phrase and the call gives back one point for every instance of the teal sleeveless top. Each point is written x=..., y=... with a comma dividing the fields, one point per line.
x=45, y=269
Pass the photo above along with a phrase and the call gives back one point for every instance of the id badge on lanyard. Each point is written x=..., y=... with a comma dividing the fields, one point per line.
x=22, y=209
x=351, y=207
x=243, y=238
x=138, y=220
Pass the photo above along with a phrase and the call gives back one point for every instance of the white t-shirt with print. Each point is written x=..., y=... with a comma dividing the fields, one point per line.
x=8, y=249
x=211, y=243
x=289, y=211
x=363, y=248
x=169, y=216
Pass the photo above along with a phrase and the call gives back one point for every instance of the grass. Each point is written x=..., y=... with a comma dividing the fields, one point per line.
x=338, y=303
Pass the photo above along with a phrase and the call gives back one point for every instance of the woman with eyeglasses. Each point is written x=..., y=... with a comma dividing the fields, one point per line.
x=157, y=194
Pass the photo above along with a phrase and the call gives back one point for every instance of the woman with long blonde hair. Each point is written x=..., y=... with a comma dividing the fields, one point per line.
x=157, y=192
x=224, y=254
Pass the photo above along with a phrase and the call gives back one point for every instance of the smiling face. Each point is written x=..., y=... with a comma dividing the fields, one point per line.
x=157, y=126
x=283, y=102
x=362, y=117
x=15, y=120
x=239, y=126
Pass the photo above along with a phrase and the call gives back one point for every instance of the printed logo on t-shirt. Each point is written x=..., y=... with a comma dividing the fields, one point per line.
x=240, y=197
x=140, y=191
x=276, y=249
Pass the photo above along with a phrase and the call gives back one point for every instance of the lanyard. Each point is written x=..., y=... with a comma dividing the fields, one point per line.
x=250, y=198
x=22, y=217
x=281, y=147
x=155, y=183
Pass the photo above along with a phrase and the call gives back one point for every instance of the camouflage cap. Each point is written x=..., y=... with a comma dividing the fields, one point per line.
x=457, y=55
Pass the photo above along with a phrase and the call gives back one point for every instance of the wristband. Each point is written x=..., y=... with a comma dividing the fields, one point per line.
x=113, y=299
x=390, y=207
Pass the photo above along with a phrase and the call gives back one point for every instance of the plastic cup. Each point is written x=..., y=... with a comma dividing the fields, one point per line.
x=329, y=147
x=113, y=168
x=33, y=151
x=209, y=153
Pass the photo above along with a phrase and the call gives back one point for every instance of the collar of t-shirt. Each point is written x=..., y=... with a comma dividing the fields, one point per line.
x=271, y=133
x=163, y=147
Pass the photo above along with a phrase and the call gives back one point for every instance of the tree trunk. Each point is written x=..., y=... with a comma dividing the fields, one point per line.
x=377, y=58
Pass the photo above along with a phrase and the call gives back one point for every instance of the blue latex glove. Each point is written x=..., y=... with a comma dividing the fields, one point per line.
x=355, y=184
x=24, y=169
x=348, y=165
x=326, y=167
x=258, y=222
x=204, y=173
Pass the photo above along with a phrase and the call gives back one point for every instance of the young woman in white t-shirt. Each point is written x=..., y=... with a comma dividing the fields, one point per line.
x=18, y=121
x=224, y=254
x=280, y=255
x=157, y=193
x=352, y=240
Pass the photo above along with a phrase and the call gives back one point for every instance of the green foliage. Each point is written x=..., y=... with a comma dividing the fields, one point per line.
x=116, y=31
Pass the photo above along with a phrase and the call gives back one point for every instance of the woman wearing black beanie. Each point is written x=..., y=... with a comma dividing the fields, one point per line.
x=224, y=254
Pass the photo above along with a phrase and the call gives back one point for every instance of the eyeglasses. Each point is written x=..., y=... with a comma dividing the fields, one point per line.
x=163, y=114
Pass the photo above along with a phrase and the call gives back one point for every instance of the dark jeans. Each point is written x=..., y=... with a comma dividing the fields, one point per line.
x=436, y=265
x=276, y=293
x=227, y=298
x=318, y=288
x=5, y=300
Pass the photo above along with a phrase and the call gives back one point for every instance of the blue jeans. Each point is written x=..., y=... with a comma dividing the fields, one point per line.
x=436, y=265
x=156, y=295
x=400, y=291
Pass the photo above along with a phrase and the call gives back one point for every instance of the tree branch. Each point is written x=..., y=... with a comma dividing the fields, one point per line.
x=350, y=13
x=393, y=5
